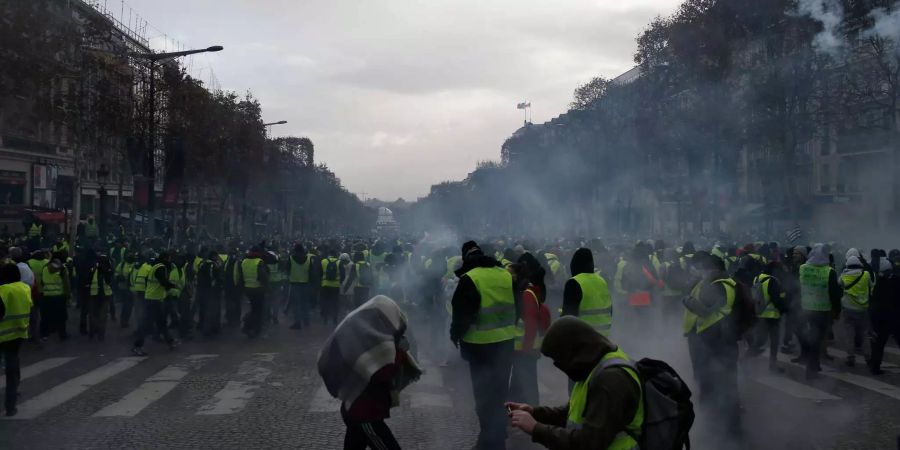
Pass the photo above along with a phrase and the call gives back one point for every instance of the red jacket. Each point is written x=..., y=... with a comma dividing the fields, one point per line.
x=535, y=317
x=374, y=403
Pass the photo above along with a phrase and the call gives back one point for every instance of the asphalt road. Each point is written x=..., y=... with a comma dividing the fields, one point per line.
x=233, y=393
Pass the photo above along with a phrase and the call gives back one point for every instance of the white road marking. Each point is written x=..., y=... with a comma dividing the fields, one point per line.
x=861, y=381
x=72, y=388
x=324, y=402
x=153, y=388
x=37, y=369
x=838, y=353
x=427, y=400
x=795, y=389
x=236, y=393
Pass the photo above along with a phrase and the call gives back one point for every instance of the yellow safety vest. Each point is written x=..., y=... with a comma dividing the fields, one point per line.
x=520, y=327
x=624, y=440
x=138, y=282
x=496, y=319
x=693, y=322
x=250, y=270
x=857, y=297
x=325, y=281
x=771, y=312
x=17, y=302
x=814, y=287
x=358, y=279
x=176, y=277
x=596, y=304
x=37, y=267
x=300, y=272
x=275, y=273
x=35, y=230
x=95, y=287
x=51, y=282
x=155, y=290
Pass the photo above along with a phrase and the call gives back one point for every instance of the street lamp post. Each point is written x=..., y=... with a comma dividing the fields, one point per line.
x=154, y=58
x=102, y=173
x=267, y=125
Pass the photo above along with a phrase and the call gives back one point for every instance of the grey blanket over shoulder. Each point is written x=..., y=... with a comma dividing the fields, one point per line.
x=364, y=342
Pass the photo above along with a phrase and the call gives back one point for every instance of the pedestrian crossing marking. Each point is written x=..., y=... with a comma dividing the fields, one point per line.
x=68, y=390
x=37, y=368
x=324, y=402
x=861, y=381
x=237, y=393
x=795, y=389
x=886, y=366
x=153, y=388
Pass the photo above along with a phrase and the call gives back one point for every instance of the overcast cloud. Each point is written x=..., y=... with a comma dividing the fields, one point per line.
x=399, y=95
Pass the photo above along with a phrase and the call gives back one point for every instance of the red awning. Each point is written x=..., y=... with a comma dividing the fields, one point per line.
x=51, y=216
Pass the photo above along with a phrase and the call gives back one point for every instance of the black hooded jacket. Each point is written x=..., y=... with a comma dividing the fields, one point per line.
x=466, y=299
x=582, y=262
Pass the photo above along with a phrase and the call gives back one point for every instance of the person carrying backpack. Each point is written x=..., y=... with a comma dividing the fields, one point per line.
x=769, y=300
x=330, y=292
x=615, y=403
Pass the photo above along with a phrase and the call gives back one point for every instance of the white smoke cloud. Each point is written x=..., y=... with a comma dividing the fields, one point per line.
x=886, y=24
x=830, y=14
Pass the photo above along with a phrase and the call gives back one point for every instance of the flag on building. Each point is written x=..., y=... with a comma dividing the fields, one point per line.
x=523, y=105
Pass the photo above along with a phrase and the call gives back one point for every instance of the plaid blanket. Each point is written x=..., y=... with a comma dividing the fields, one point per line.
x=364, y=342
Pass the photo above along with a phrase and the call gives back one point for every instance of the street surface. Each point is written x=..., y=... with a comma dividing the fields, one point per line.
x=230, y=393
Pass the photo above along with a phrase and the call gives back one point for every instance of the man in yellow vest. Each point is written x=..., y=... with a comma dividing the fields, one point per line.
x=485, y=310
x=15, y=310
x=123, y=274
x=820, y=298
x=300, y=265
x=178, y=306
x=765, y=287
x=54, y=286
x=856, y=283
x=586, y=294
x=330, y=288
x=253, y=276
x=209, y=292
x=101, y=292
x=154, y=315
x=605, y=409
x=712, y=340
x=138, y=284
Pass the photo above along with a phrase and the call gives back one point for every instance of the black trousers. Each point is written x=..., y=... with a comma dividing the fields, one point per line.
x=374, y=435
x=127, y=299
x=253, y=321
x=715, y=368
x=10, y=351
x=54, y=315
x=815, y=330
x=232, y=306
x=99, y=310
x=523, y=384
x=329, y=302
x=489, y=367
x=882, y=329
x=767, y=329
x=154, y=317
x=211, y=305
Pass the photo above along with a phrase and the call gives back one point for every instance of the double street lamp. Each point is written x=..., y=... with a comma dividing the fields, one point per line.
x=150, y=170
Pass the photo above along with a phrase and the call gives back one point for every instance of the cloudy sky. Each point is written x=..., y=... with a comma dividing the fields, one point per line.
x=400, y=94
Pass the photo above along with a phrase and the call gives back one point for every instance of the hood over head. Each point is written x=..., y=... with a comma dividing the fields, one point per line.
x=582, y=262
x=852, y=253
x=575, y=347
x=818, y=256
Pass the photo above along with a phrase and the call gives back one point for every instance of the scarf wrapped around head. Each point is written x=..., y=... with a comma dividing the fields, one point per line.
x=363, y=343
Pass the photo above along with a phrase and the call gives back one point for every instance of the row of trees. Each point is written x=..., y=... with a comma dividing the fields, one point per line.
x=75, y=85
x=737, y=118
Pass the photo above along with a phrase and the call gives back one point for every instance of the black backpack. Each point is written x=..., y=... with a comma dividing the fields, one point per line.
x=668, y=410
x=331, y=270
x=366, y=277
